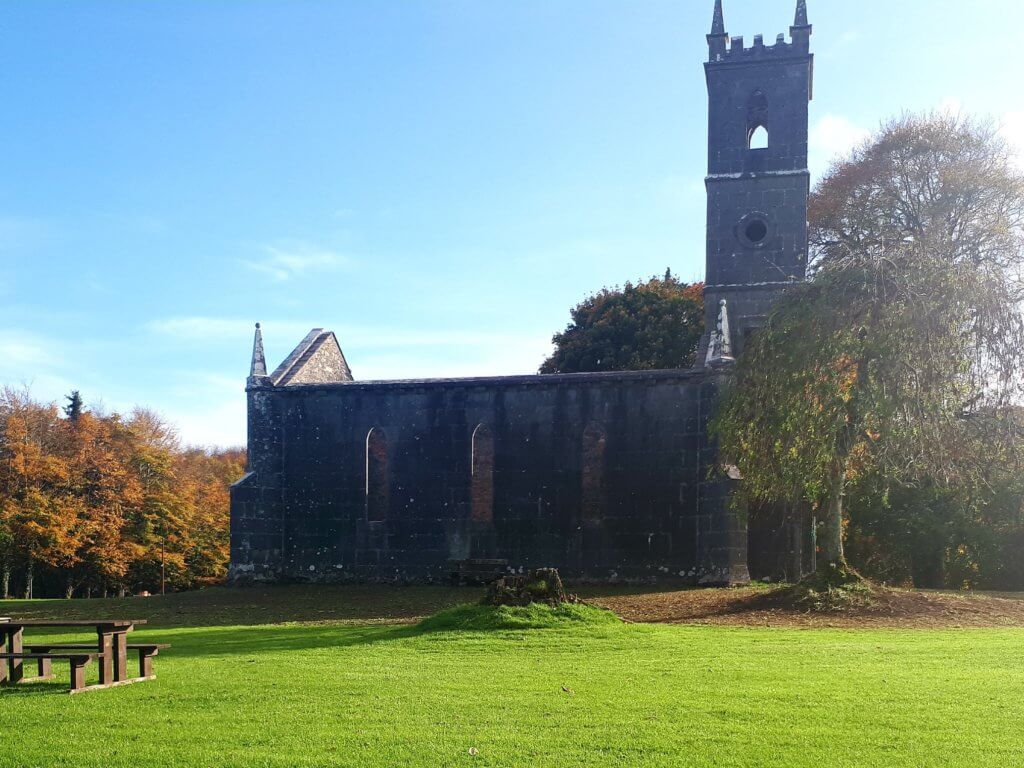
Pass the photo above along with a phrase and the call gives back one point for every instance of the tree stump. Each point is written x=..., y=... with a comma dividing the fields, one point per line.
x=541, y=585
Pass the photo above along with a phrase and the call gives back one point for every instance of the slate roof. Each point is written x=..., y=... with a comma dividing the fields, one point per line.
x=303, y=353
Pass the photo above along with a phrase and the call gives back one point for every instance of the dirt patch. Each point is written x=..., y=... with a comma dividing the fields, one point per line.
x=761, y=607
x=751, y=606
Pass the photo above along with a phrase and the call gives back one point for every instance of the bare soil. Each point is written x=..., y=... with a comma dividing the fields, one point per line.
x=755, y=606
x=773, y=607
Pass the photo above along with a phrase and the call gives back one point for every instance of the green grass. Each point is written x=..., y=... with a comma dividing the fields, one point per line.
x=486, y=618
x=577, y=693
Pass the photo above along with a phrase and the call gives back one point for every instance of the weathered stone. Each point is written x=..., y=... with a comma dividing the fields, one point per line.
x=605, y=477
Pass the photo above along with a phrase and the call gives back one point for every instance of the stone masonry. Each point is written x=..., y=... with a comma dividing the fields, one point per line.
x=606, y=477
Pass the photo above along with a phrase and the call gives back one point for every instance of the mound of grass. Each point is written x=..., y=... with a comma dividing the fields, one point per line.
x=361, y=695
x=484, y=618
x=832, y=589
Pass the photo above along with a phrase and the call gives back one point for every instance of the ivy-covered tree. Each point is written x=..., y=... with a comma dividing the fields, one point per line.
x=652, y=325
x=903, y=354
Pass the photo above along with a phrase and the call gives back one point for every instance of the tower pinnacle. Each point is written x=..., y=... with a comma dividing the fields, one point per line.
x=718, y=23
x=718, y=40
x=720, y=345
x=258, y=369
x=801, y=14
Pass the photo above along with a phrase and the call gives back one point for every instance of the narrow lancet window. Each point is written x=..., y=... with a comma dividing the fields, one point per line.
x=594, y=441
x=482, y=486
x=758, y=138
x=377, y=494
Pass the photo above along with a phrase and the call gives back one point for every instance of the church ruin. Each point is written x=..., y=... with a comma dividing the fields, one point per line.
x=605, y=476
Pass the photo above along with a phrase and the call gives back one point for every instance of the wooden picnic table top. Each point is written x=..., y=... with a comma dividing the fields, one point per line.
x=113, y=623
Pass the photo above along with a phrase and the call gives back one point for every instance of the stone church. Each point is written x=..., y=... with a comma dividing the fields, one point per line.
x=605, y=476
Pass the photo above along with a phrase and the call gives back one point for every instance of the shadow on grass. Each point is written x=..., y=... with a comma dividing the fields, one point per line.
x=239, y=642
x=240, y=647
x=224, y=606
x=273, y=604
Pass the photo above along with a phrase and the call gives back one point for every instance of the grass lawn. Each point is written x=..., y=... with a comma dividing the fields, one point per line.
x=234, y=692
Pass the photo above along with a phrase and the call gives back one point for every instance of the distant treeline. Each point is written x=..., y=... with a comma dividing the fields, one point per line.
x=95, y=503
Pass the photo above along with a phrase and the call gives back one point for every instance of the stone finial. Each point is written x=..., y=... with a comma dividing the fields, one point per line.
x=801, y=14
x=718, y=22
x=720, y=345
x=717, y=40
x=258, y=369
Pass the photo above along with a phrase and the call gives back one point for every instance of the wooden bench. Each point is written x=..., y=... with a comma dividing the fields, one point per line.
x=146, y=653
x=79, y=661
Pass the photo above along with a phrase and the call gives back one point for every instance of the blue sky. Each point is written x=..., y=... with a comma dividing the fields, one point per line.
x=436, y=180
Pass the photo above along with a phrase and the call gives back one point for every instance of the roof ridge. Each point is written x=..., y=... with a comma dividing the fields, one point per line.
x=289, y=363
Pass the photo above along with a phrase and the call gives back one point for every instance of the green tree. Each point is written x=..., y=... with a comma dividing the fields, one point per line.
x=647, y=326
x=73, y=410
x=902, y=355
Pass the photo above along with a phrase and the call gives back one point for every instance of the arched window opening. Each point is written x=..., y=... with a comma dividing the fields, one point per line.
x=758, y=138
x=377, y=494
x=482, y=484
x=594, y=441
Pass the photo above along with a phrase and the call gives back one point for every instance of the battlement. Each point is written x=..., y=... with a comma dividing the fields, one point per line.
x=734, y=50
x=725, y=50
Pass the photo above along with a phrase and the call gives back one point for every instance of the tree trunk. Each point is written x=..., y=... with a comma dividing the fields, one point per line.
x=5, y=580
x=69, y=589
x=29, y=578
x=831, y=539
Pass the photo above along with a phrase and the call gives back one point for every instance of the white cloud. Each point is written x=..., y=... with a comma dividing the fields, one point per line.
x=199, y=328
x=522, y=355
x=832, y=137
x=361, y=336
x=370, y=337
x=1012, y=129
x=207, y=409
x=288, y=260
x=19, y=349
x=951, y=106
x=37, y=362
x=208, y=423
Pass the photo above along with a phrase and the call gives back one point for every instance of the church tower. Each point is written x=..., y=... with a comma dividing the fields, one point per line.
x=757, y=182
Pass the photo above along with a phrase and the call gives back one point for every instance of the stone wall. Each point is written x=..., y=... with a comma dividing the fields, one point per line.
x=604, y=476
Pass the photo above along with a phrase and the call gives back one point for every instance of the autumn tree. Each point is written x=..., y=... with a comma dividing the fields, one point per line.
x=210, y=474
x=39, y=516
x=652, y=325
x=903, y=352
x=109, y=493
x=97, y=501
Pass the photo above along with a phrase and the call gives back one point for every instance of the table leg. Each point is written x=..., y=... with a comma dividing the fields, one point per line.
x=3, y=662
x=17, y=669
x=106, y=649
x=120, y=656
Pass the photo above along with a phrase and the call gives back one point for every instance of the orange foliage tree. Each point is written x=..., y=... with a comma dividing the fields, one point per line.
x=105, y=503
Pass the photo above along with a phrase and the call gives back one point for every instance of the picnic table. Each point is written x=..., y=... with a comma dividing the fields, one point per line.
x=110, y=649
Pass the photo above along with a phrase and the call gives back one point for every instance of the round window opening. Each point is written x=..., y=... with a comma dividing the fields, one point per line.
x=756, y=231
